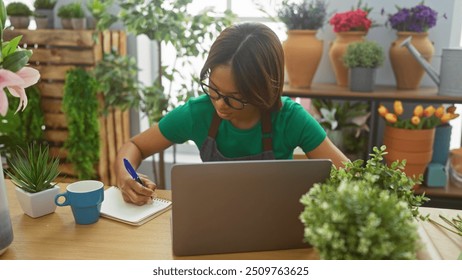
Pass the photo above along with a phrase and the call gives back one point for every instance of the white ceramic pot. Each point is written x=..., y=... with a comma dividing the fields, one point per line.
x=37, y=204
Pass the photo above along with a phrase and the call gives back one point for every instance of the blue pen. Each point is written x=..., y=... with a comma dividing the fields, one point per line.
x=132, y=172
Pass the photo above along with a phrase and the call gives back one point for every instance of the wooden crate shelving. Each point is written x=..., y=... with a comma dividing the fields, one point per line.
x=54, y=53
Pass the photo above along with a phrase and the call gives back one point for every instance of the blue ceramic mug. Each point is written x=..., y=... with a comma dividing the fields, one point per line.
x=85, y=198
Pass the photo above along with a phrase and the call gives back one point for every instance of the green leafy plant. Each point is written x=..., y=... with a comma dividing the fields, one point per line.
x=303, y=15
x=19, y=130
x=99, y=10
x=18, y=9
x=364, y=211
x=356, y=220
x=338, y=115
x=80, y=106
x=367, y=54
x=391, y=178
x=45, y=4
x=71, y=10
x=33, y=170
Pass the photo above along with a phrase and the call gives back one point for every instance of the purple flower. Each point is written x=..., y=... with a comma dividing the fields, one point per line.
x=417, y=19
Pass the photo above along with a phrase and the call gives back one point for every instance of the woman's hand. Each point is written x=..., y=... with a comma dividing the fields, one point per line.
x=134, y=192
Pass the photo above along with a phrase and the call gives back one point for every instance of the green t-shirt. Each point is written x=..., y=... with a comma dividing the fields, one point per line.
x=292, y=127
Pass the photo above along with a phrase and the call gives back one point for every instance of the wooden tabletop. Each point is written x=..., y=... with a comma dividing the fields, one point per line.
x=57, y=237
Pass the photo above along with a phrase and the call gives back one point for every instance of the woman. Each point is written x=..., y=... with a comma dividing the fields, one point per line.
x=242, y=115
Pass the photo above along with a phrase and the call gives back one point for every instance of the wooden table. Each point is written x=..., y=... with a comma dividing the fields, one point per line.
x=56, y=236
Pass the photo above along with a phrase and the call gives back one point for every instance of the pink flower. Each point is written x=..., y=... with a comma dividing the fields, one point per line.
x=16, y=83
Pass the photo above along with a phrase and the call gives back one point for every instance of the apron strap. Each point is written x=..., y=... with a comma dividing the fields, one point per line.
x=267, y=137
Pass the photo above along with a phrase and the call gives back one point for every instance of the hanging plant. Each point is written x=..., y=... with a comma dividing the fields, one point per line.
x=80, y=105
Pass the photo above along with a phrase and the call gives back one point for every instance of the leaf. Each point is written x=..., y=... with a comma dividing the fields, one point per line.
x=11, y=46
x=17, y=60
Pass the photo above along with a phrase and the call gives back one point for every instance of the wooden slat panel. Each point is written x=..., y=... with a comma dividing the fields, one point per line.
x=67, y=168
x=57, y=37
x=54, y=89
x=51, y=105
x=103, y=166
x=55, y=72
x=58, y=152
x=63, y=56
x=55, y=120
x=56, y=136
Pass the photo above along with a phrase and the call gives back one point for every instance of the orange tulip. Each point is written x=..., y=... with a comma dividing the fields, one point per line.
x=439, y=112
x=398, y=107
x=391, y=118
x=415, y=120
x=418, y=111
x=429, y=111
x=446, y=118
x=382, y=110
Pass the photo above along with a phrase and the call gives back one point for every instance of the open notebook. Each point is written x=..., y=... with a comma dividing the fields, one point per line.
x=115, y=208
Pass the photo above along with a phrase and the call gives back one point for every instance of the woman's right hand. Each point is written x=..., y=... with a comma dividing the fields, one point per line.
x=134, y=192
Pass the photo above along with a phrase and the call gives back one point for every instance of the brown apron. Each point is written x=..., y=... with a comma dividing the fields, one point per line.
x=209, y=150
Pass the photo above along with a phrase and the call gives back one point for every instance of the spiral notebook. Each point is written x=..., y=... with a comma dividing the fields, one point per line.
x=115, y=208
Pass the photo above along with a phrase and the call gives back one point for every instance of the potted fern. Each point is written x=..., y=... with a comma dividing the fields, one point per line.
x=33, y=172
x=363, y=59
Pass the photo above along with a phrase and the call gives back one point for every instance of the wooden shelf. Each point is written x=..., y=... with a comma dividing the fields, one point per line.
x=381, y=93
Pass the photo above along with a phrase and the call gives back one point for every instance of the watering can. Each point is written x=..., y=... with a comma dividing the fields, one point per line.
x=450, y=79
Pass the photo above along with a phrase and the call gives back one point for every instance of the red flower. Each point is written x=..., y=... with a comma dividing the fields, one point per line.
x=351, y=21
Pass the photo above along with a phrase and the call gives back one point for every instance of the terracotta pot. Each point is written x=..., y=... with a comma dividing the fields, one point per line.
x=407, y=70
x=337, y=50
x=302, y=54
x=414, y=146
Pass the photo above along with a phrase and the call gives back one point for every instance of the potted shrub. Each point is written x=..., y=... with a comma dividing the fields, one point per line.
x=100, y=18
x=72, y=16
x=362, y=59
x=33, y=172
x=45, y=9
x=364, y=211
x=302, y=50
x=19, y=14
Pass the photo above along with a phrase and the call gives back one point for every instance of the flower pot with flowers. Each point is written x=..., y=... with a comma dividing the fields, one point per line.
x=411, y=138
x=302, y=50
x=414, y=22
x=14, y=77
x=350, y=26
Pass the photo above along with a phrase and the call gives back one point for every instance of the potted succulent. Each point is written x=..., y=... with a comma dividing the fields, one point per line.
x=302, y=50
x=33, y=171
x=364, y=211
x=72, y=16
x=45, y=9
x=362, y=59
x=19, y=14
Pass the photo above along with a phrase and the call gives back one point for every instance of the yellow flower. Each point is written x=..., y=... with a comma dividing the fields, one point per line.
x=446, y=118
x=391, y=118
x=415, y=120
x=398, y=107
x=382, y=110
x=439, y=112
x=429, y=111
x=418, y=111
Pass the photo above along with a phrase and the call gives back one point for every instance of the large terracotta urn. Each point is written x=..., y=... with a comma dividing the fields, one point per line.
x=302, y=54
x=413, y=145
x=337, y=51
x=407, y=70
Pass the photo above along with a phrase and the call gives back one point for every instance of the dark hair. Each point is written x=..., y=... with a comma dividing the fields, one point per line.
x=255, y=55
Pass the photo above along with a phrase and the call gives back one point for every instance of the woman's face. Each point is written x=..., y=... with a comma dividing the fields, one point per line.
x=222, y=80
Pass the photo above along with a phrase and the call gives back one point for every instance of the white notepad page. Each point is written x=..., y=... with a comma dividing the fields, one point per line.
x=114, y=207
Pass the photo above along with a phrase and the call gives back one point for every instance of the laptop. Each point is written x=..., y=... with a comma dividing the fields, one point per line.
x=241, y=206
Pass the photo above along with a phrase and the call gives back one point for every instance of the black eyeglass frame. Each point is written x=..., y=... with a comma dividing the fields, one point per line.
x=206, y=88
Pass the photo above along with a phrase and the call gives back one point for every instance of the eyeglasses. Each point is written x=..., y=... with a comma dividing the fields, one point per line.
x=214, y=94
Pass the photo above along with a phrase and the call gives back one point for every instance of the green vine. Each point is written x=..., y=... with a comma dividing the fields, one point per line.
x=80, y=105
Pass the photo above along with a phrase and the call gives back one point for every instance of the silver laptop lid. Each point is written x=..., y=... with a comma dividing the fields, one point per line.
x=241, y=206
